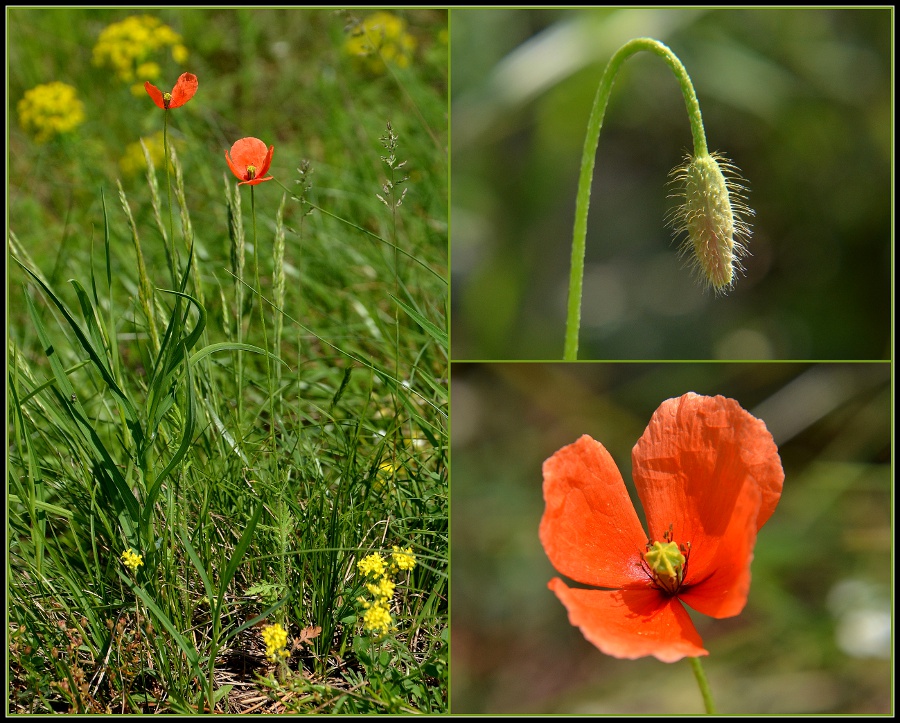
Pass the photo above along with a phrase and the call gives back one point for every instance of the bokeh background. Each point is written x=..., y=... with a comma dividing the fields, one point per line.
x=799, y=99
x=815, y=636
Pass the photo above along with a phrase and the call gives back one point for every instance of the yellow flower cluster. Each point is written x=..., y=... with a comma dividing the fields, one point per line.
x=132, y=560
x=381, y=38
x=133, y=161
x=371, y=565
x=49, y=110
x=403, y=559
x=275, y=637
x=377, y=615
x=383, y=479
x=129, y=46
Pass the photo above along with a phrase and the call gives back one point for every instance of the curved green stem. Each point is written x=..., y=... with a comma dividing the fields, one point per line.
x=703, y=684
x=576, y=275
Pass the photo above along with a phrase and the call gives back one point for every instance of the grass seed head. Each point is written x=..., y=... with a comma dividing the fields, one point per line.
x=712, y=212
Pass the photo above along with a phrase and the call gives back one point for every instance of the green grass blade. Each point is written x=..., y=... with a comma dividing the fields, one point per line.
x=198, y=566
x=130, y=412
x=186, y=646
x=182, y=448
x=239, y=551
x=233, y=346
x=108, y=473
x=436, y=333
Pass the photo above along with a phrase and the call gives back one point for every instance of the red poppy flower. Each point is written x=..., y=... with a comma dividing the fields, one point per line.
x=250, y=160
x=182, y=92
x=708, y=476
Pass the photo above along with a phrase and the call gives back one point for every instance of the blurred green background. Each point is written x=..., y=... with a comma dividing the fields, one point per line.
x=815, y=636
x=799, y=99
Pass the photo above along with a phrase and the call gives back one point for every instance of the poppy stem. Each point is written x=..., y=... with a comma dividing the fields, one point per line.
x=703, y=684
x=592, y=139
x=170, y=251
x=262, y=319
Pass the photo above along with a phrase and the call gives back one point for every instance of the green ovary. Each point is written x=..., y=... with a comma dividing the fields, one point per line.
x=666, y=562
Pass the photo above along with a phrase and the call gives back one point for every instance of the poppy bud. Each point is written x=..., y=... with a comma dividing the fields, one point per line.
x=711, y=213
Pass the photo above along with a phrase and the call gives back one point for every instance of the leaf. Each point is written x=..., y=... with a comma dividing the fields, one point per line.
x=186, y=646
x=182, y=448
x=233, y=346
x=238, y=553
x=198, y=566
x=114, y=485
x=433, y=330
x=308, y=633
x=131, y=415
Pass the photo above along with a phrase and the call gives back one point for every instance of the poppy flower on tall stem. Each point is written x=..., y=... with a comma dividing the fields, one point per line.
x=184, y=90
x=708, y=476
x=250, y=160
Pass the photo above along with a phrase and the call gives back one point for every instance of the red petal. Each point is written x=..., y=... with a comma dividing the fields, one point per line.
x=590, y=530
x=710, y=470
x=631, y=623
x=717, y=584
x=184, y=90
x=255, y=181
x=234, y=169
x=155, y=93
x=266, y=163
x=249, y=152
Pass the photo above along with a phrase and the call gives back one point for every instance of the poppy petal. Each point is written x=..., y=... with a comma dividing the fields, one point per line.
x=590, y=530
x=255, y=181
x=234, y=169
x=710, y=470
x=155, y=93
x=184, y=90
x=717, y=579
x=631, y=623
x=266, y=163
x=248, y=152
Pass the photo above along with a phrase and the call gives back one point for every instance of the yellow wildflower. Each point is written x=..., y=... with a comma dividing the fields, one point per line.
x=371, y=565
x=133, y=161
x=132, y=560
x=384, y=588
x=179, y=54
x=377, y=618
x=275, y=637
x=403, y=559
x=381, y=38
x=129, y=46
x=49, y=110
x=383, y=479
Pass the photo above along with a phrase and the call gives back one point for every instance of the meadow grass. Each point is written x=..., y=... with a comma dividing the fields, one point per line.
x=252, y=417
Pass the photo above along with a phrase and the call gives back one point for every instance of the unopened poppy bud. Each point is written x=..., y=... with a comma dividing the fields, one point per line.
x=711, y=213
x=667, y=564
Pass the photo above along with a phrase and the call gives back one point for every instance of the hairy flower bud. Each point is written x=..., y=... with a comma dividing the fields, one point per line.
x=712, y=212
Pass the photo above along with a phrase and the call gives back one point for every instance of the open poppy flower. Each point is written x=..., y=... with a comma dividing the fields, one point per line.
x=182, y=92
x=708, y=476
x=250, y=160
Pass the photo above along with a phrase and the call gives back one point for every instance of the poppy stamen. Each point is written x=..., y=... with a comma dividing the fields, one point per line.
x=251, y=172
